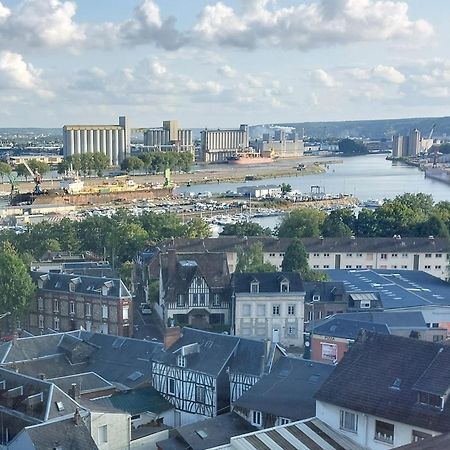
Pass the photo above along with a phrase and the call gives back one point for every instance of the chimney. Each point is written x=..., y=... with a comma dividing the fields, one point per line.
x=77, y=417
x=74, y=391
x=41, y=376
x=171, y=336
x=171, y=261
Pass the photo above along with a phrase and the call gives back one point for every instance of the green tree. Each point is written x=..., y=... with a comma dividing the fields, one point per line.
x=16, y=286
x=295, y=258
x=5, y=169
x=198, y=228
x=125, y=273
x=339, y=223
x=245, y=229
x=366, y=224
x=87, y=163
x=64, y=166
x=39, y=166
x=131, y=164
x=285, y=188
x=302, y=222
x=350, y=147
x=100, y=163
x=22, y=171
x=252, y=260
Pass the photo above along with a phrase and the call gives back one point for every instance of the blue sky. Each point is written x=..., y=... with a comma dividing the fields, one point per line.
x=221, y=63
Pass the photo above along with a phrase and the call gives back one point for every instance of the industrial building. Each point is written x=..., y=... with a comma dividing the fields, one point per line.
x=111, y=140
x=282, y=144
x=169, y=138
x=411, y=145
x=218, y=145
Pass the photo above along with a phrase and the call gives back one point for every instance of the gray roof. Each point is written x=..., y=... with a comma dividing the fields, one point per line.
x=329, y=291
x=393, y=319
x=288, y=390
x=63, y=435
x=87, y=382
x=214, y=351
x=382, y=375
x=215, y=431
x=440, y=442
x=83, y=284
x=339, y=327
x=119, y=360
x=397, y=288
x=269, y=282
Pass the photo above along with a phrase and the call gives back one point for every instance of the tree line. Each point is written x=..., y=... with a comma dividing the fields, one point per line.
x=155, y=162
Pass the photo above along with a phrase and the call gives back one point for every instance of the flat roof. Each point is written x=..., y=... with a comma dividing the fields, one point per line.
x=397, y=288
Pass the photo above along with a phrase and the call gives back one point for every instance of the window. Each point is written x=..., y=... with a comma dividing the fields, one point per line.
x=430, y=399
x=254, y=287
x=71, y=307
x=365, y=304
x=103, y=434
x=316, y=266
x=404, y=266
x=316, y=254
x=256, y=418
x=88, y=309
x=88, y=325
x=171, y=386
x=181, y=361
x=418, y=436
x=55, y=305
x=276, y=310
x=316, y=298
x=216, y=300
x=246, y=309
x=56, y=323
x=291, y=310
x=384, y=431
x=326, y=255
x=310, y=315
x=41, y=321
x=349, y=421
x=320, y=314
x=104, y=311
x=202, y=299
x=200, y=394
x=260, y=310
x=383, y=256
x=284, y=286
x=427, y=255
x=348, y=266
x=437, y=267
x=40, y=303
x=291, y=331
x=326, y=266
x=282, y=421
x=438, y=255
x=358, y=266
x=181, y=299
x=71, y=287
x=404, y=255
x=125, y=312
x=427, y=267
x=438, y=338
x=359, y=255
x=394, y=255
x=349, y=255
x=195, y=299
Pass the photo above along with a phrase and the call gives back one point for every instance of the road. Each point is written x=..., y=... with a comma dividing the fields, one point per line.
x=146, y=326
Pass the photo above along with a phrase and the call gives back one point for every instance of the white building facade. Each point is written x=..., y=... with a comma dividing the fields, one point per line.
x=218, y=145
x=111, y=140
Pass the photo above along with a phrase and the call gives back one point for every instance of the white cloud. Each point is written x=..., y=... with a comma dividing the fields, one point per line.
x=4, y=12
x=306, y=26
x=389, y=73
x=323, y=78
x=227, y=71
x=16, y=73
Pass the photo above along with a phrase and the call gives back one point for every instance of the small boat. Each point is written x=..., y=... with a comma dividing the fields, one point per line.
x=372, y=203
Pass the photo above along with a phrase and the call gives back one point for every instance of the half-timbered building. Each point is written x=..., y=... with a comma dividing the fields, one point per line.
x=201, y=371
x=195, y=290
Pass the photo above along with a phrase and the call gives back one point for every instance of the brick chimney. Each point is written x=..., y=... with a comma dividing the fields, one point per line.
x=171, y=336
x=74, y=391
x=77, y=417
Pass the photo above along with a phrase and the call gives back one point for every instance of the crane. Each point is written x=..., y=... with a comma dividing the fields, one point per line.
x=431, y=132
x=37, y=177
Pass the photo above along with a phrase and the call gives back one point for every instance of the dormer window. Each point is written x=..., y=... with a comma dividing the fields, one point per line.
x=284, y=286
x=254, y=287
x=71, y=287
x=426, y=398
x=365, y=304
x=316, y=298
x=181, y=361
x=40, y=284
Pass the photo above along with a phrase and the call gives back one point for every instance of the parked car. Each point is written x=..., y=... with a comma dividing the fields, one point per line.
x=146, y=309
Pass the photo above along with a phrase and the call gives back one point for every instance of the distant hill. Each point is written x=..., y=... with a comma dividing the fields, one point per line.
x=372, y=129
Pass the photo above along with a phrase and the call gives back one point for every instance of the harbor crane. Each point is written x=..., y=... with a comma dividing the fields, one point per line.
x=37, y=178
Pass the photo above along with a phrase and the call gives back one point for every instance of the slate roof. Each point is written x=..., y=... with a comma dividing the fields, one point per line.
x=393, y=319
x=125, y=362
x=339, y=327
x=381, y=375
x=217, y=431
x=288, y=390
x=215, y=351
x=441, y=442
x=329, y=291
x=87, y=382
x=269, y=282
x=86, y=285
x=396, y=288
x=61, y=435
x=136, y=401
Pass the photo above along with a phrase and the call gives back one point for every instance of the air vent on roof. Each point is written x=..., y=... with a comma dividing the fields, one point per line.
x=396, y=384
x=135, y=376
x=202, y=433
x=60, y=406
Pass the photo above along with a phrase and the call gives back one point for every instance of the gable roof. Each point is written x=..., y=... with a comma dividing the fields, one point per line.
x=269, y=282
x=393, y=319
x=381, y=375
x=288, y=390
x=329, y=291
x=209, y=352
x=87, y=382
x=83, y=284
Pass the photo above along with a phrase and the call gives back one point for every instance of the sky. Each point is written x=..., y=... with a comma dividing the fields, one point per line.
x=209, y=63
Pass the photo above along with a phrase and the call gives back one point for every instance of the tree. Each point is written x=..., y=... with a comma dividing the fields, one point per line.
x=285, y=188
x=245, y=229
x=16, y=285
x=198, y=228
x=302, y=222
x=39, y=166
x=125, y=273
x=252, y=260
x=338, y=224
x=350, y=147
x=100, y=163
x=87, y=163
x=22, y=171
x=131, y=164
x=295, y=258
x=64, y=166
x=5, y=169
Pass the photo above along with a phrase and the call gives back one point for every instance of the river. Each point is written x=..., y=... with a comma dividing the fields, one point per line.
x=366, y=177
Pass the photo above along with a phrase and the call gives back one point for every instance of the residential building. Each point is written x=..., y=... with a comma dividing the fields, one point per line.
x=201, y=372
x=388, y=391
x=269, y=305
x=310, y=434
x=111, y=140
x=284, y=395
x=65, y=302
x=194, y=290
x=430, y=255
x=208, y=433
x=400, y=290
x=169, y=138
x=218, y=145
